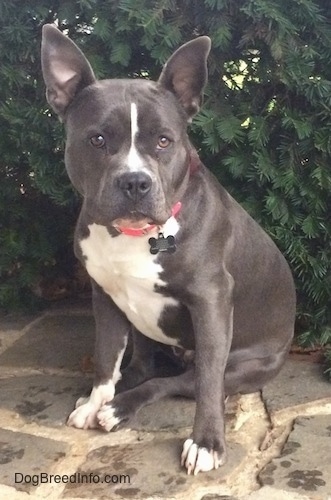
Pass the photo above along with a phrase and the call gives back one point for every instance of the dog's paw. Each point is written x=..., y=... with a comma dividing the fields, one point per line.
x=196, y=458
x=119, y=411
x=84, y=416
x=107, y=418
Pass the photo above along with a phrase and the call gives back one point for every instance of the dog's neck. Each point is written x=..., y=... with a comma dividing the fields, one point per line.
x=194, y=161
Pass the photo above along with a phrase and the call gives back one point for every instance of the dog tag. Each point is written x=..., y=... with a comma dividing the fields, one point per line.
x=162, y=244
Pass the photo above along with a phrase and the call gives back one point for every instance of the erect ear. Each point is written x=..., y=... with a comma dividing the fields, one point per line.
x=65, y=69
x=185, y=73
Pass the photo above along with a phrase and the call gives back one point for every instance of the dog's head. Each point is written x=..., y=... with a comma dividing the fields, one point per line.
x=127, y=150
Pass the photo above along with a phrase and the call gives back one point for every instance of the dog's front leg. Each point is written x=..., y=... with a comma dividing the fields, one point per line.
x=212, y=317
x=112, y=329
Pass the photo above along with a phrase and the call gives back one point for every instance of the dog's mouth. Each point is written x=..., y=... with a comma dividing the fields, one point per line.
x=134, y=220
x=132, y=223
x=139, y=223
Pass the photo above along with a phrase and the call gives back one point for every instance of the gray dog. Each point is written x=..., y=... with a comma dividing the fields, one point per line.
x=172, y=257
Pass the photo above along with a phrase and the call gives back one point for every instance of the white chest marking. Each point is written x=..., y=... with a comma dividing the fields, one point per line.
x=134, y=160
x=125, y=269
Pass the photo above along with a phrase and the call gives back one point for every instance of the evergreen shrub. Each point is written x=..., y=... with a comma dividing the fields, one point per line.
x=264, y=130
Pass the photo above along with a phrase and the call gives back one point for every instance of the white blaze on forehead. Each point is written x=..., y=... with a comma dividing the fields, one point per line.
x=134, y=160
x=134, y=122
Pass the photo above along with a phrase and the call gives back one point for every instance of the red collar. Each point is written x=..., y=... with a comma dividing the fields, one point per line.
x=130, y=231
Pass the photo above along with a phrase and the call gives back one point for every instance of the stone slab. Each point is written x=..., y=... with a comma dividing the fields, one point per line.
x=23, y=456
x=44, y=399
x=269, y=493
x=175, y=413
x=149, y=469
x=213, y=496
x=54, y=342
x=167, y=414
x=304, y=465
x=15, y=321
x=299, y=382
x=8, y=338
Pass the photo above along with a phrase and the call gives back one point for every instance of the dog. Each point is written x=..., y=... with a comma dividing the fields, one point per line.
x=172, y=257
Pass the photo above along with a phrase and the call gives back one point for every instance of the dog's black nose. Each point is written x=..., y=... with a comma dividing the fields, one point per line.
x=135, y=185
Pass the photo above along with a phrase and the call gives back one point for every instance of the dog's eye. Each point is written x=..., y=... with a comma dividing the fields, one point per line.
x=98, y=141
x=163, y=142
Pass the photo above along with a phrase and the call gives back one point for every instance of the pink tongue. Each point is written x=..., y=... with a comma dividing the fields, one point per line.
x=131, y=223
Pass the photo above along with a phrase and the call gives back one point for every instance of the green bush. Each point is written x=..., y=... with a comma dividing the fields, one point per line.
x=264, y=129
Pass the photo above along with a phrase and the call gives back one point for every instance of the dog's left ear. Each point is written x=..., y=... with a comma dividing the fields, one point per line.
x=185, y=73
x=65, y=69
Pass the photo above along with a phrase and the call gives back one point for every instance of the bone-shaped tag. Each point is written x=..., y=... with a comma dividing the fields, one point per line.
x=162, y=244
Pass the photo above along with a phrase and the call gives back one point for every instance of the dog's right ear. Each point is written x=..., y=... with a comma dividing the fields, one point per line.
x=65, y=69
x=185, y=73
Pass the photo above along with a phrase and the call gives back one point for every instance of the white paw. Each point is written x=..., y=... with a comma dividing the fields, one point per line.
x=85, y=414
x=83, y=417
x=197, y=459
x=106, y=418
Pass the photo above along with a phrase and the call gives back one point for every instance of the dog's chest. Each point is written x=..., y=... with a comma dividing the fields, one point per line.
x=128, y=272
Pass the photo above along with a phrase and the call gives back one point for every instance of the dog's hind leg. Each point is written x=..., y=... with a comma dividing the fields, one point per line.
x=252, y=374
x=126, y=404
x=150, y=359
x=244, y=376
x=142, y=364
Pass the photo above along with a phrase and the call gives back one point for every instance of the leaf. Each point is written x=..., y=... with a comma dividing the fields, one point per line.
x=121, y=54
x=102, y=29
x=230, y=130
x=258, y=132
x=277, y=207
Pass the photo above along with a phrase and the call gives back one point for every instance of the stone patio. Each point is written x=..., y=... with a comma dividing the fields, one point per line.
x=279, y=442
